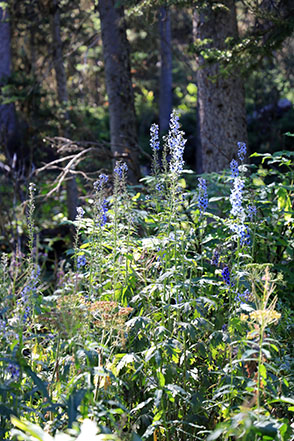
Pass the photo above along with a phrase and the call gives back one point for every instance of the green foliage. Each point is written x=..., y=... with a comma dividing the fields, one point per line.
x=142, y=337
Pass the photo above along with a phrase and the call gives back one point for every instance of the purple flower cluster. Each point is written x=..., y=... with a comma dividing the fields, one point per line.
x=100, y=183
x=13, y=369
x=159, y=187
x=242, y=297
x=242, y=150
x=245, y=238
x=236, y=198
x=3, y=325
x=27, y=313
x=176, y=144
x=252, y=211
x=154, y=138
x=80, y=212
x=120, y=169
x=29, y=291
x=103, y=211
x=215, y=258
x=81, y=261
x=234, y=168
x=202, y=197
x=226, y=276
x=101, y=203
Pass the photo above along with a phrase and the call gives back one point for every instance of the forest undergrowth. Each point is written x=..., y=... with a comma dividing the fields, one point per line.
x=173, y=316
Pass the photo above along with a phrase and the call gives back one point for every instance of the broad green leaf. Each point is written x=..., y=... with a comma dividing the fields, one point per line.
x=41, y=385
x=262, y=371
x=284, y=203
x=161, y=378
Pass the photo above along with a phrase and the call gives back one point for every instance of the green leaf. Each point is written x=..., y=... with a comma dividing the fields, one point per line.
x=141, y=405
x=5, y=411
x=31, y=429
x=74, y=401
x=161, y=379
x=284, y=203
x=215, y=434
x=157, y=397
x=42, y=387
x=262, y=371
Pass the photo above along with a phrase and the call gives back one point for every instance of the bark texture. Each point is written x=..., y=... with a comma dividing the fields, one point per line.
x=123, y=132
x=221, y=103
x=165, y=91
x=60, y=74
x=9, y=137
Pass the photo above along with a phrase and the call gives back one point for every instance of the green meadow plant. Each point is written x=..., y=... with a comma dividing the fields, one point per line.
x=173, y=319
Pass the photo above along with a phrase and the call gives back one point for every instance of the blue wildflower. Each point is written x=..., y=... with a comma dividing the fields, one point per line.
x=226, y=276
x=245, y=238
x=120, y=169
x=159, y=187
x=252, y=211
x=80, y=212
x=242, y=297
x=3, y=325
x=236, y=198
x=176, y=144
x=28, y=292
x=234, y=168
x=14, y=371
x=202, y=197
x=104, y=211
x=154, y=138
x=242, y=232
x=161, y=254
x=81, y=261
x=215, y=258
x=27, y=313
x=242, y=150
x=99, y=184
x=101, y=203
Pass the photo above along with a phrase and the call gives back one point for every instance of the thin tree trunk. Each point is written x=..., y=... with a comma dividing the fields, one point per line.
x=71, y=185
x=9, y=136
x=221, y=104
x=123, y=132
x=165, y=89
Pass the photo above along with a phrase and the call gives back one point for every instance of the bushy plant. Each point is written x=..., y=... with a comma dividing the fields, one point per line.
x=173, y=315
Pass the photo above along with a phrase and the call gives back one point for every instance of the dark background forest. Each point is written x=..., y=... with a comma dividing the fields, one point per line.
x=82, y=82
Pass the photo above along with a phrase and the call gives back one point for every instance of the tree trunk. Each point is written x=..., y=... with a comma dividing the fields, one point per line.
x=71, y=185
x=165, y=88
x=221, y=104
x=123, y=132
x=9, y=137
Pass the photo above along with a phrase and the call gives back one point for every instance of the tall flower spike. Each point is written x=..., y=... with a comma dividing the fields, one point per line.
x=176, y=144
x=100, y=183
x=202, y=197
x=80, y=212
x=215, y=258
x=226, y=276
x=252, y=211
x=100, y=201
x=155, y=146
x=242, y=150
x=120, y=169
x=234, y=168
x=154, y=138
x=236, y=199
